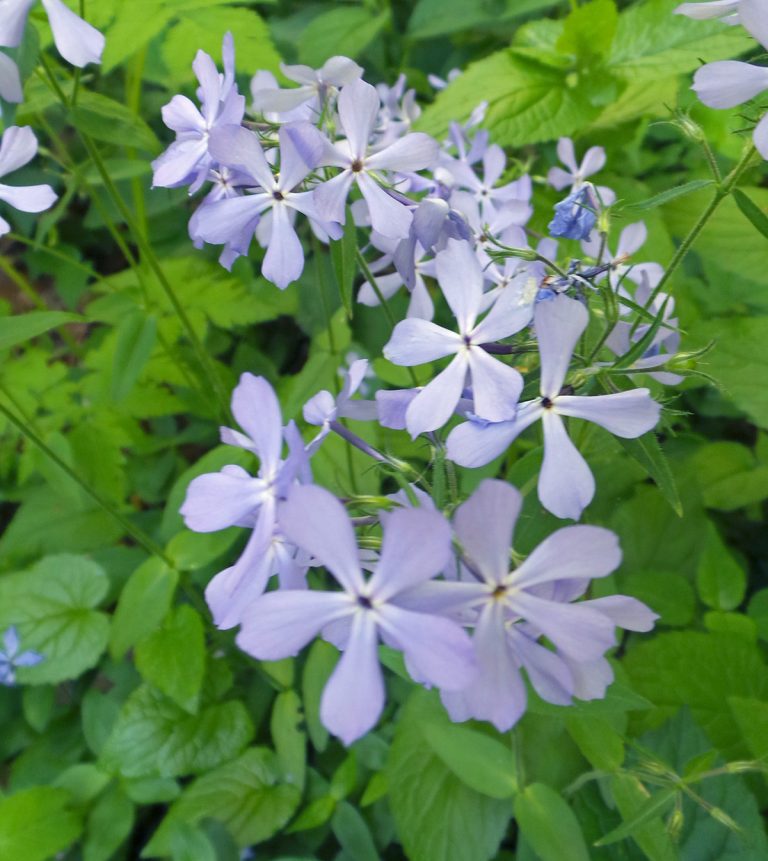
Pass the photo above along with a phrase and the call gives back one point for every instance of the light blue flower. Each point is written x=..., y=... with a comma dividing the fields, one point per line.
x=12, y=657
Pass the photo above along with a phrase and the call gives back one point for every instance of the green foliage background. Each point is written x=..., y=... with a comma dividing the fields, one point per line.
x=145, y=733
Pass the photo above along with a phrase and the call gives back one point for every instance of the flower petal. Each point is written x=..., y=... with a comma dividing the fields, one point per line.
x=13, y=21
x=414, y=151
x=728, y=83
x=389, y=217
x=415, y=341
x=559, y=324
x=478, y=443
x=279, y=624
x=626, y=414
x=353, y=698
x=217, y=500
x=17, y=148
x=284, y=260
x=315, y=520
x=496, y=387
x=416, y=546
x=461, y=281
x=358, y=108
x=484, y=526
x=436, y=402
x=10, y=82
x=438, y=649
x=257, y=411
x=76, y=40
x=566, y=484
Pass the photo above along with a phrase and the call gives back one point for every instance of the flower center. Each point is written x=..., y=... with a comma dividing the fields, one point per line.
x=278, y=195
x=357, y=165
x=547, y=403
x=365, y=602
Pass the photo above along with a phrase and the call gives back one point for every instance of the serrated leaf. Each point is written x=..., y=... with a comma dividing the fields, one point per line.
x=246, y=795
x=53, y=607
x=173, y=657
x=154, y=736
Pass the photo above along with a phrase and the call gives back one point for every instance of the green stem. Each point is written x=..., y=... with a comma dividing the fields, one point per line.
x=724, y=190
x=135, y=532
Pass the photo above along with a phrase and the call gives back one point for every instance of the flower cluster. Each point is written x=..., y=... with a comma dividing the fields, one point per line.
x=448, y=222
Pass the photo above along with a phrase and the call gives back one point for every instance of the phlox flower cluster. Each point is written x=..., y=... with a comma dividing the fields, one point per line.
x=447, y=222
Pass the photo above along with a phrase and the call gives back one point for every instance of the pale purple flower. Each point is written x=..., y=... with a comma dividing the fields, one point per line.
x=187, y=161
x=324, y=410
x=575, y=215
x=513, y=607
x=416, y=546
x=234, y=221
x=726, y=10
x=398, y=112
x=388, y=283
x=728, y=83
x=233, y=497
x=438, y=83
x=631, y=239
x=76, y=40
x=495, y=386
x=10, y=82
x=316, y=87
x=358, y=107
x=566, y=485
x=18, y=147
x=576, y=174
x=12, y=657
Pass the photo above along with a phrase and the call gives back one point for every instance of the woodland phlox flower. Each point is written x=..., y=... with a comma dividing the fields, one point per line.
x=726, y=10
x=17, y=148
x=576, y=174
x=11, y=657
x=187, y=161
x=416, y=546
x=566, y=485
x=10, y=81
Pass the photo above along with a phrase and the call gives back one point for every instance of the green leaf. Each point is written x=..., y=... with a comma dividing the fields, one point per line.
x=289, y=737
x=135, y=341
x=549, y=824
x=752, y=717
x=52, y=606
x=720, y=579
x=134, y=26
x=351, y=831
x=109, y=121
x=437, y=817
x=666, y=593
x=173, y=658
x=648, y=453
x=246, y=795
x=345, y=30
x=433, y=18
x=729, y=475
x=35, y=824
x=598, y=740
x=154, y=736
x=589, y=29
x=656, y=805
x=204, y=28
x=670, y=194
x=701, y=671
x=528, y=101
x=652, y=837
x=109, y=824
x=479, y=761
x=758, y=612
x=23, y=327
x=752, y=211
x=143, y=604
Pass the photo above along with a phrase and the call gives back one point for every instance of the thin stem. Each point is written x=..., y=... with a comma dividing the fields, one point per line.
x=135, y=532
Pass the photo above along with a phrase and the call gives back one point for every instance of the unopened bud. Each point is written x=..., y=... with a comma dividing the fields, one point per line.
x=690, y=128
x=675, y=824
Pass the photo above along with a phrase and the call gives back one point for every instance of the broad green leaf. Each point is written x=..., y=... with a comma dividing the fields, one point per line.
x=739, y=361
x=134, y=26
x=191, y=551
x=549, y=824
x=589, y=30
x=598, y=740
x=481, y=762
x=23, y=327
x=136, y=336
x=734, y=624
x=432, y=18
x=729, y=475
x=752, y=717
x=36, y=824
x=437, y=817
x=173, y=657
x=528, y=101
x=143, y=604
x=758, y=612
x=321, y=660
x=204, y=28
x=345, y=30
x=652, y=837
x=351, y=831
x=53, y=607
x=155, y=737
x=109, y=824
x=720, y=579
x=246, y=795
x=106, y=120
x=666, y=593
x=701, y=671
